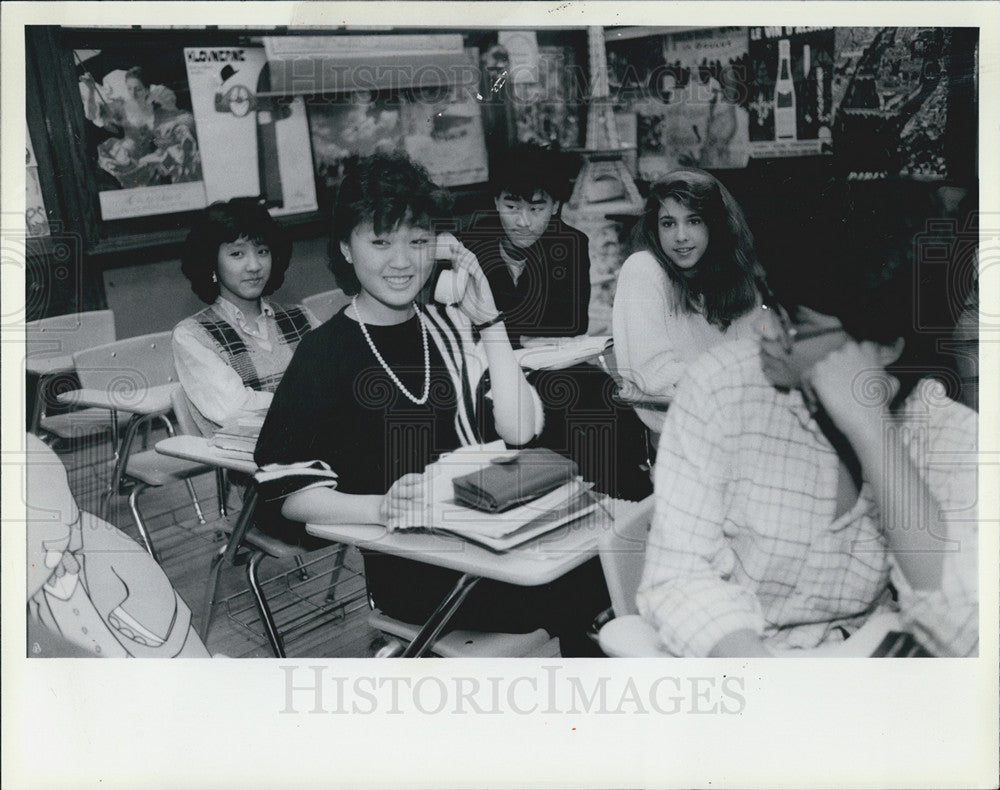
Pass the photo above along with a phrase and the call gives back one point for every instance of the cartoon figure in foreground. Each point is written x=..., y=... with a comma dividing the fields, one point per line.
x=91, y=589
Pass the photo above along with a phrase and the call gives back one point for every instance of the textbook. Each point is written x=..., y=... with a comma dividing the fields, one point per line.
x=556, y=353
x=440, y=511
x=239, y=435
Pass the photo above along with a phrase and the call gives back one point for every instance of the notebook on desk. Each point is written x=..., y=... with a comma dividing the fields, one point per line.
x=498, y=531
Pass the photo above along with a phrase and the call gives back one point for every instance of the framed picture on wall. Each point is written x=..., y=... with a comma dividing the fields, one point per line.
x=141, y=141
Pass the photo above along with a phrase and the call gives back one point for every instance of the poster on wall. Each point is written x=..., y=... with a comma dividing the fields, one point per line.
x=791, y=77
x=36, y=221
x=441, y=128
x=547, y=111
x=689, y=98
x=890, y=94
x=253, y=145
x=141, y=136
x=358, y=124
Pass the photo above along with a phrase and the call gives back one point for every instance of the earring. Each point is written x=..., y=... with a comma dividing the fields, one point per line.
x=215, y=278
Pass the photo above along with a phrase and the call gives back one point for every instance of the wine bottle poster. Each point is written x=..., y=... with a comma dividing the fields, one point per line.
x=790, y=91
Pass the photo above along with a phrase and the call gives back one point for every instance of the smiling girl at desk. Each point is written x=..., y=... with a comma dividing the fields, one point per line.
x=388, y=385
x=692, y=285
x=231, y=356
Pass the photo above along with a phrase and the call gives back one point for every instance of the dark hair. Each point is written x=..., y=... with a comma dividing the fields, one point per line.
x=385, y=190
x=724, y=284
x=860, y=245
x=527, y=168
x=223, y=223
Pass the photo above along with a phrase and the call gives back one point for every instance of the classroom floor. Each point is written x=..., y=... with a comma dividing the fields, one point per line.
x=310, y=626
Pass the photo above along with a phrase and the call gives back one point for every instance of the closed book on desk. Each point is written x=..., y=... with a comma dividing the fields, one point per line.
x=240, y=434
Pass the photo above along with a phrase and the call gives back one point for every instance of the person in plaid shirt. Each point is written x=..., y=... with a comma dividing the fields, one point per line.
x=805, y=483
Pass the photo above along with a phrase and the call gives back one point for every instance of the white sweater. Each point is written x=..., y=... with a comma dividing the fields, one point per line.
x=656, y=338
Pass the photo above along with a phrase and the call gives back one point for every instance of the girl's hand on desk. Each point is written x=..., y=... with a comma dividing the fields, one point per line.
x=404, y=501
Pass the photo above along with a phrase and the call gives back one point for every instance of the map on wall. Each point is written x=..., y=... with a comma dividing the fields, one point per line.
x=891, y=98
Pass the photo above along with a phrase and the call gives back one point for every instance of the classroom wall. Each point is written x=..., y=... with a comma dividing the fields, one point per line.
x=153, y=297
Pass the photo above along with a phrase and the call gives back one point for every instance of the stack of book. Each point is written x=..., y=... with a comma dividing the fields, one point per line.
x=239, y=436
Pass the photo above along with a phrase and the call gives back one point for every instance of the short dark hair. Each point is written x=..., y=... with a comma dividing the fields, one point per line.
x=725, y=281
x=385, y=190
x=226, y=222
x=527, y=168
x=857, y=262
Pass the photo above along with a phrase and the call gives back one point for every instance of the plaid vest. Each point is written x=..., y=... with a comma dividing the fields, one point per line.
x=292, y=326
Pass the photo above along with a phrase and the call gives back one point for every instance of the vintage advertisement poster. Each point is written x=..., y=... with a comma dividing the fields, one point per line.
x=253, y=144
x=141, y=134
x=356, y=124
x=791, y=77
x=443, y=130
x=440, y=128
x=890, y=94
x=548, y=111
x=688, y=93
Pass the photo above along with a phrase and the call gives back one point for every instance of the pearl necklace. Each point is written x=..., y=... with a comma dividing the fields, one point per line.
x=395, y=379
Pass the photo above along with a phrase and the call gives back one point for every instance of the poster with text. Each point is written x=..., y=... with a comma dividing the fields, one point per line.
x=688, y=94
x=252, y=144
x=141, y=135
x=790, y=92
x=890, y=95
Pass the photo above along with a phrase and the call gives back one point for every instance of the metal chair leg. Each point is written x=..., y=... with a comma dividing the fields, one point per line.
x=137, y=517
x=222, y=488
x=265, y=611
x=194, y=500
x=338, y=566
x=303, y=572
x=211, y=590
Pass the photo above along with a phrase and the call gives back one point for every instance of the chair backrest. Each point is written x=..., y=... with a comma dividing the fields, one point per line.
x=622, y=551
x=136, y=363
x=67, y=334
x=186, y=424
x=325, y=305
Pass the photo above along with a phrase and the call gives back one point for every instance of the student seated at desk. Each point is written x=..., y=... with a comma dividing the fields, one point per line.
x=387, y=385
x=691, y=286
x=795, y=478
x=92, y=591
x=231, y=356
x=538, y=268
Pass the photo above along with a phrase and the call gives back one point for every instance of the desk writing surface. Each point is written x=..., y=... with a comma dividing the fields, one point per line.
x=152, y=400
x=197, y=448
x=539, y=561
x=49, y=365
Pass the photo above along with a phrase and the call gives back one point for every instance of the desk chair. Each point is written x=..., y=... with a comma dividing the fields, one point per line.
x=327, y=304
x=628, y=635
x=49, y=347
x=466, y=644
x=128, y=368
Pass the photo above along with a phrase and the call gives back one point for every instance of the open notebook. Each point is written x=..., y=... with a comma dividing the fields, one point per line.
x=498, y=531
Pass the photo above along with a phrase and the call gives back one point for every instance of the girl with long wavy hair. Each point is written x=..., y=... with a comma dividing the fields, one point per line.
x=694, y=282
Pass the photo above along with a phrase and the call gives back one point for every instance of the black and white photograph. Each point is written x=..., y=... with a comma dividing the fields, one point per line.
x=500, y=394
